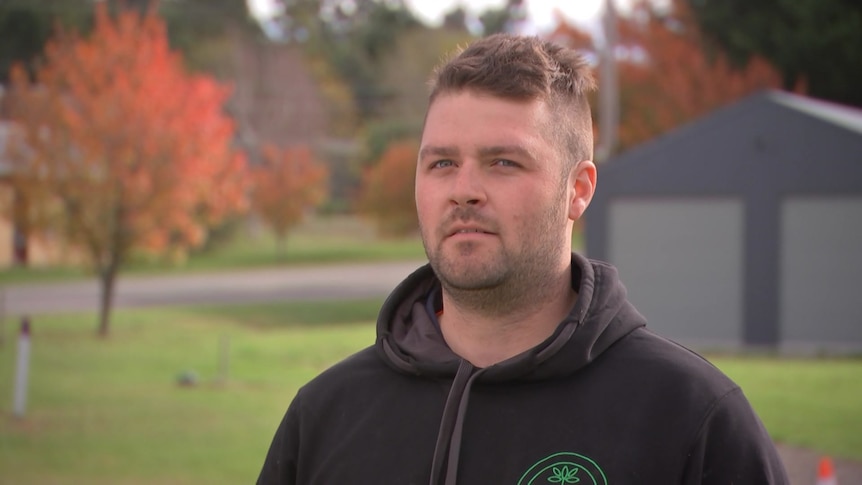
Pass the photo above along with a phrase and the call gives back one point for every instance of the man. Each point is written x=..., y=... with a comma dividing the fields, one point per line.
x=510, y=359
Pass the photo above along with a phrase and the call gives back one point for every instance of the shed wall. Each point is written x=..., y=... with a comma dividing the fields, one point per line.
x=681, y=260
x=821, y=273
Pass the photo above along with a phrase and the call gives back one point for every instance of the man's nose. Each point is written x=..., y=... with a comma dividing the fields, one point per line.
x=468, y=187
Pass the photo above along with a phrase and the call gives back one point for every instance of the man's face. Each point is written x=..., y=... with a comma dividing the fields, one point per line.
x=491, y=194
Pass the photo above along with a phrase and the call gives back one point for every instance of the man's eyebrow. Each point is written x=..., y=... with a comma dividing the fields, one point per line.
x=435, y=151
x=494, y=151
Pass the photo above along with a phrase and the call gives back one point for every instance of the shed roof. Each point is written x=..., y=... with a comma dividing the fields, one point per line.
x=771, y=140
x=845, y=116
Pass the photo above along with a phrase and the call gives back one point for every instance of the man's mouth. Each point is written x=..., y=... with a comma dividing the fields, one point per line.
x=468, y=230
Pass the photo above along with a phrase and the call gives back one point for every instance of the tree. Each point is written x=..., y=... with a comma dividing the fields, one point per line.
x=121, y=149
x=666, y=75
x=200, y=29
x=456, y=19
x=403, y=76
x=204, y=30
x=353, y=36
x=678, y=80
x=402, y=73
x=504, y=18
x=286, y=185
x=25, y=26
x=811, y=41
x=388, y=192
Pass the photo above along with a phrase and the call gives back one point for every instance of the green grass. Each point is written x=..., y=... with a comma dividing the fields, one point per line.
x=813, y=403
x=111, y=411
x=19, y=275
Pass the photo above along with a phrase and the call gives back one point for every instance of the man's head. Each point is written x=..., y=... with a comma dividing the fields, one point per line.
x=527, y=68
x=504, y=170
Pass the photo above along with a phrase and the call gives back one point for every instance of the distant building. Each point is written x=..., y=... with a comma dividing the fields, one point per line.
x=276, y=97
x=742, y=230
x=16, y=247
x=279, y=99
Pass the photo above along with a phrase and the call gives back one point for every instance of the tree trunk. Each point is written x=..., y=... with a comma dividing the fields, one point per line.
x=281, y=246
x=20, y=229
x=107, y=277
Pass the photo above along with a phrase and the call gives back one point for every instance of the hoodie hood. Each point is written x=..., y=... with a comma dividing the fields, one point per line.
x=409, y=339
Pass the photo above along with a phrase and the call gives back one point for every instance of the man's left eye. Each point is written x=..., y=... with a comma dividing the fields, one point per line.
x=505, y=163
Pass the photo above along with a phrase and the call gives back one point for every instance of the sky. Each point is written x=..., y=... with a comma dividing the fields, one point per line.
x=584, y=13
x=540, y=12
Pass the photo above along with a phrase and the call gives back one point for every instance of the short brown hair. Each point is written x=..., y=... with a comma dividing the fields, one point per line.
x=527, y=68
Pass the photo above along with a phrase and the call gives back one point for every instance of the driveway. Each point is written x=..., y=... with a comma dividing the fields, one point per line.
x=341, y=281
x=802, y=464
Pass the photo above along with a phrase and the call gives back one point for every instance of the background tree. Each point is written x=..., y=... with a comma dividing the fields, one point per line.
x=404, y=70
x=667, y=77
x=375, y=49
x=286, y=186
x=677, y=80
x=403, y=76
x=206, y=31
x=121, y=148
x=812, y=41
x=353, y=36
x=504, y=18
x=201, y=29
x=456, y=19
x=388, y=193
x=26, y=25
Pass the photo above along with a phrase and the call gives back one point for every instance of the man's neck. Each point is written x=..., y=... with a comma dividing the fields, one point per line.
x=485, y=339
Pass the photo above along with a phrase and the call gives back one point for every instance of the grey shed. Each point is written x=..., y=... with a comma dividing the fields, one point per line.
x=742, y=230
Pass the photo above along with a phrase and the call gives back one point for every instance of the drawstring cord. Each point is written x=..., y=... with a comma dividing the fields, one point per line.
x=447, y=423
x=455, y=441
x=452, y=424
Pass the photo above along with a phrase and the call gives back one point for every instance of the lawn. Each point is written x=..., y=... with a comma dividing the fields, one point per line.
x=813, y=403
x=112, y=411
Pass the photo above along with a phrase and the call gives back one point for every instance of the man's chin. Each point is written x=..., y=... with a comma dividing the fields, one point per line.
x=464, y=279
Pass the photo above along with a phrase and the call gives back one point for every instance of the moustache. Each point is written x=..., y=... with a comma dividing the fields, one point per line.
x=468, y=215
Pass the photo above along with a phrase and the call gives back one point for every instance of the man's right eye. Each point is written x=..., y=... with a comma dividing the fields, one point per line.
x=442, y=164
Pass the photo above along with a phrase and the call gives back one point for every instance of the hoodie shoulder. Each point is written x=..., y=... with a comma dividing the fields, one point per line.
x=660, y=366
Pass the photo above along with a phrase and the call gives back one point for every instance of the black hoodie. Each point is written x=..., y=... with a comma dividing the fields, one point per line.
x=602, y=401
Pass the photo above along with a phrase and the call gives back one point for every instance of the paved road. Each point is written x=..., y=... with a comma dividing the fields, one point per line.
x=247, y=286
x=802, y=464
x=305, y=283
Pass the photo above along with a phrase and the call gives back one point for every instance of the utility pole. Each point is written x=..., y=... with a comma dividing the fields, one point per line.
x=609, y=109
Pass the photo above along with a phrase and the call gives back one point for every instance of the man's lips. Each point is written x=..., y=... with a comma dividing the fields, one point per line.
x=468, y=230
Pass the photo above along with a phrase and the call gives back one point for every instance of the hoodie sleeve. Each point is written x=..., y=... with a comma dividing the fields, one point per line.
x=280, y=466
x=733, y=447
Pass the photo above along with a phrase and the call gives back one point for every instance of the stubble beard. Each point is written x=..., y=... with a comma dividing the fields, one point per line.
x=501, y=280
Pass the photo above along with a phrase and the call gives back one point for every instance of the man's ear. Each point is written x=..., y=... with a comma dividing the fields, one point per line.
x=583, y=180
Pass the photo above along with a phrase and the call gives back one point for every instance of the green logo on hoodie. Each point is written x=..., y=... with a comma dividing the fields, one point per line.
x=564, y=468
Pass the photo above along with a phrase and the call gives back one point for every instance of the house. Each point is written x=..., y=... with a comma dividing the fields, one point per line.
x=742, y=230
x=40, y=248
x=9, y=237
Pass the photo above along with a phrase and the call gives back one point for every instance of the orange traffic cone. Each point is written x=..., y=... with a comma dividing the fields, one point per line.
x=826, y=472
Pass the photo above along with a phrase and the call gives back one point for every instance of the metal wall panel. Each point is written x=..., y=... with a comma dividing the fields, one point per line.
x=821, y=273
x=681, y=261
